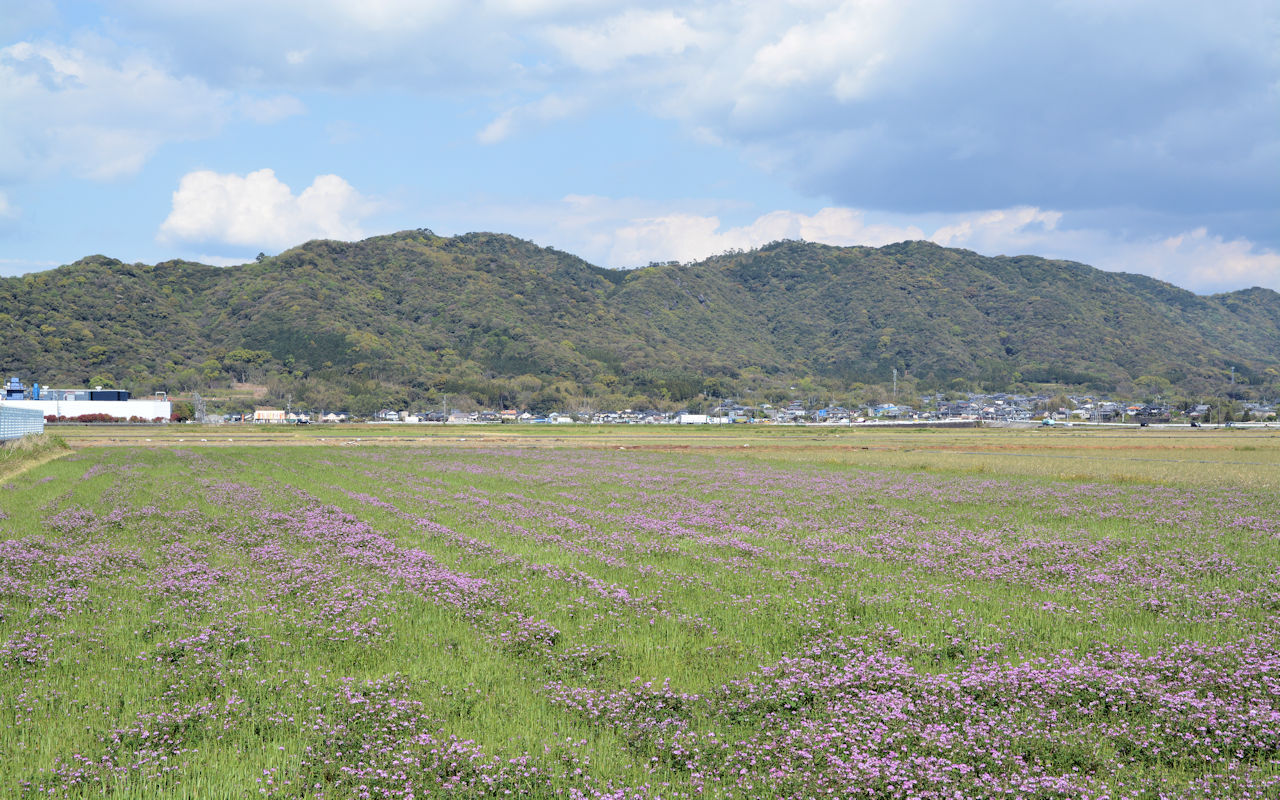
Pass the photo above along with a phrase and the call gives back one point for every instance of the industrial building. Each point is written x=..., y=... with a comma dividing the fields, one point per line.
x=73, y=403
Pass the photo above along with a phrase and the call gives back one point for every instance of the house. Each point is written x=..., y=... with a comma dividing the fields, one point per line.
x=1149, y=414
x=270, y=415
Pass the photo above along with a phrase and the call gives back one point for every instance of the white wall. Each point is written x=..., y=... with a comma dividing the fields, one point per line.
x=146, y=409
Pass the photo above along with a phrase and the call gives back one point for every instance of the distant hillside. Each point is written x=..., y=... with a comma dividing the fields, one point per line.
x=412, y=316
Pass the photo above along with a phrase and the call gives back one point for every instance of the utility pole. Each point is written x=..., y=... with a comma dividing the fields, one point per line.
x=895, y=383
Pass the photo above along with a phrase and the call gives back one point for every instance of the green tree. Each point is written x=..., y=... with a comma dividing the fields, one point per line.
x=181, y=411
x=1150, y=387
x=242, y=361
x=211, y=371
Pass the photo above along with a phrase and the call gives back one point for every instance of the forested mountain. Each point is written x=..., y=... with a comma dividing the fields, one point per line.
x=407, y=317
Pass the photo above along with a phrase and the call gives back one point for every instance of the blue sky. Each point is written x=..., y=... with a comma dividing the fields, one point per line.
x=1133, y=136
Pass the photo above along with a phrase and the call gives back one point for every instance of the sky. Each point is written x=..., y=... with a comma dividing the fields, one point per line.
x=1133, y=136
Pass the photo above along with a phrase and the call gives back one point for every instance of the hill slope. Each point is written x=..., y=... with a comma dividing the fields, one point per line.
x=413, y=315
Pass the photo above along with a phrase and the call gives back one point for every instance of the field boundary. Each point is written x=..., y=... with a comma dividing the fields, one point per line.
x=12, y=471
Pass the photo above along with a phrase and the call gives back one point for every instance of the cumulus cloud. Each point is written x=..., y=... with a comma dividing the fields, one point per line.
x=630, y=232
x=1207, y=261
x=903, y=105
x=934, y=106
x=1008, y=230
x=689, y=237
x=259, y=210
x=1194, y=259
x=842, y=51
x=633, y=33
x=991, y=124
x=97, y=115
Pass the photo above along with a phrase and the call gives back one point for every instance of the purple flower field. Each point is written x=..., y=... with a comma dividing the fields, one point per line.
x=415, y=622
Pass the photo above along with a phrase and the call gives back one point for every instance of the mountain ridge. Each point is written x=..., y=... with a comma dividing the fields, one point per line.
x=412, y=315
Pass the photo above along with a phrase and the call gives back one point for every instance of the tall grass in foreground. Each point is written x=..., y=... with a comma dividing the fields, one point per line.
x=386, y=622
x=17, y=453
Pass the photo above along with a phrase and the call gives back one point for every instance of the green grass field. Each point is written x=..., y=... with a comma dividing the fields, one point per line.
x=1169, y=457
x=475, y=612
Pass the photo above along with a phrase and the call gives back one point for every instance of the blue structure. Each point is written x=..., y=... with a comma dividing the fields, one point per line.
x=14, y=390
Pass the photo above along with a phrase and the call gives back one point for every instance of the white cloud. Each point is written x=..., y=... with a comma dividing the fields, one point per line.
x=1194, y=259
x=1008, y=229
x=843, y=50
x=689, y=237
x=910, y=105
x=389, y=15
x=96, y=115
x=629, y=232
x=1203, y=261
x=221, y=261
x=258, y=210
x=544, y=8
x=937, y=111
x=634, y=33
x=7, y=209
x=547, y=109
